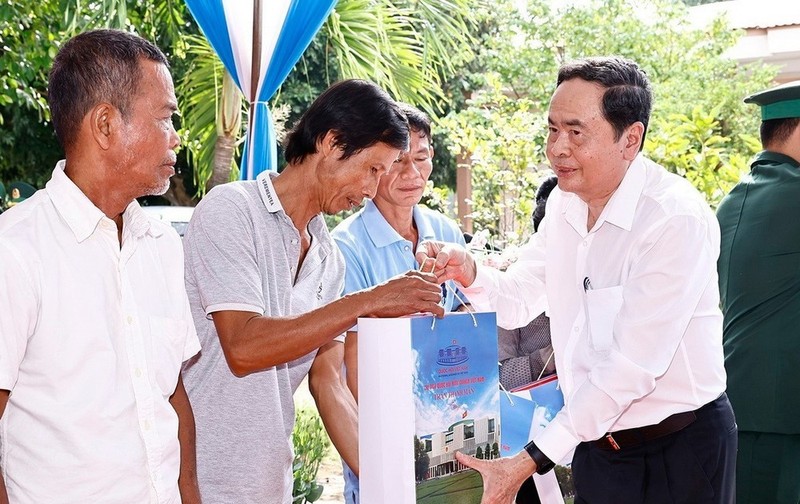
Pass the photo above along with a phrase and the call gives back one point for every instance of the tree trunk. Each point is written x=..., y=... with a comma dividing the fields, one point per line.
x=229, y=125
x=223, y=161
x=176, y=194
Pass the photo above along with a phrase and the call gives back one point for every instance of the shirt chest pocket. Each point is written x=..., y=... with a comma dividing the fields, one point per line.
x=167, y=339
x=602, y=308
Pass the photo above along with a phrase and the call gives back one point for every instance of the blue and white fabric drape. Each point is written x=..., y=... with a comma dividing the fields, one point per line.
x=287, y=27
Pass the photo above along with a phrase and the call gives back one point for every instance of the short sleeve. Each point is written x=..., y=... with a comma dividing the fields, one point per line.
x=220, y=255
x=18, y=314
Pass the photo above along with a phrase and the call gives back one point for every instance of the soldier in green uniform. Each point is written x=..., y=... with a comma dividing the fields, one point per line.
x=759, y=277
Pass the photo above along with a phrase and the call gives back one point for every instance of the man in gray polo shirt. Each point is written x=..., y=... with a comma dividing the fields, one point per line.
x=264, y=279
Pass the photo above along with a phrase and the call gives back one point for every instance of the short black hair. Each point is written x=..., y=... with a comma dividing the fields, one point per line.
x=418, y=120
x=628, y=97
x=93, y=67
x=360, y=114
x=542, y=194
x=777, y=131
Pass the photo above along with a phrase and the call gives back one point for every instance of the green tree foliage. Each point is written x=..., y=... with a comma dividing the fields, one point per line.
x=701, y=131
x=310, y=445
x=565, y=481
x=694, y=147
x=406, y=46
x=422, y=461
x=504, y=137
x=30, y=35
x=28, y=42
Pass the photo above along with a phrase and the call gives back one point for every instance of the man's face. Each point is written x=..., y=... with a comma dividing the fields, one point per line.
x=404, y=184
x=581, y=147
x=347, y=182
x=149, y=139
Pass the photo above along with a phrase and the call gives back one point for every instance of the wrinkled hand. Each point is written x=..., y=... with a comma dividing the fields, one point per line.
x=411, y=292
x=450, y=262
x=501, y=477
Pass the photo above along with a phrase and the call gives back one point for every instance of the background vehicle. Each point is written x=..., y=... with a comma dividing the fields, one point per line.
x=177, y=216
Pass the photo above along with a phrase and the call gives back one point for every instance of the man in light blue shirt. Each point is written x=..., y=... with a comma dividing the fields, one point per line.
x=379, y=241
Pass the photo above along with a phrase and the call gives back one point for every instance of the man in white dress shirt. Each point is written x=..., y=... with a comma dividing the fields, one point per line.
x=95, y=319
x=626, y=259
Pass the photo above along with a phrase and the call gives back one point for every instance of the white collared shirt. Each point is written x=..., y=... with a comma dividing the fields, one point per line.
x=92, y=337
x=633, y=305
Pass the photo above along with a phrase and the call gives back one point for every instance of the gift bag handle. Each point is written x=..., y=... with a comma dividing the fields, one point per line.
x=453, y=292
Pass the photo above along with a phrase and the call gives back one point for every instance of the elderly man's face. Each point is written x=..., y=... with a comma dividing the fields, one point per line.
x=581, y=146
x=149, y=141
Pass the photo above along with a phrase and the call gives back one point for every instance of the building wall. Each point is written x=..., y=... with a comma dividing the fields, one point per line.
x=772, y=31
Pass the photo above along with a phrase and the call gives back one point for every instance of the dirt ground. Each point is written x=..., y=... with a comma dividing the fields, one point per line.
x=330, y=470
x=330, y=477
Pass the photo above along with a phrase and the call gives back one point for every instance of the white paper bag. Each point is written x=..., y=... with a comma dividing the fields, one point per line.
x=435, y=384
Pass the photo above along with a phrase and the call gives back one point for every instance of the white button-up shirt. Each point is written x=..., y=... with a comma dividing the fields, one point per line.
x=92, y=337
x=633, y=305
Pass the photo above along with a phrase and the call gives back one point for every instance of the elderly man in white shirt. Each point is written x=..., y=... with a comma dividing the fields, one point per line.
x=96, y=321
x=626, y=260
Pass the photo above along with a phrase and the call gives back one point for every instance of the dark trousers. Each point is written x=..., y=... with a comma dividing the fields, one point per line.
x=527, y=493
x=696, y=465
x=768, y=468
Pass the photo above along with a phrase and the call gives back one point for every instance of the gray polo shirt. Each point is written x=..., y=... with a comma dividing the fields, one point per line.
x=241, y=253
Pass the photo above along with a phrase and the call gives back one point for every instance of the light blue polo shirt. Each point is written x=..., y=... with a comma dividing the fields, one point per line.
x=374, y=252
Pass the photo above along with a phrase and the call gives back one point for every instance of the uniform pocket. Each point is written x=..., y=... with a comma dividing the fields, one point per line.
x=602, y=307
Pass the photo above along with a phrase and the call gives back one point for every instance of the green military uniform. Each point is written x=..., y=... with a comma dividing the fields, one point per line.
x=759, y=275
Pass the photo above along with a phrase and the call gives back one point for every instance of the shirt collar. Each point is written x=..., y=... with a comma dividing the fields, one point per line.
x=138, y=223
x=382, y=233
x=620, y=208
x=774, y=157
x=82, y=216
x=378, y=229
x=424, y=228
x=267, y=191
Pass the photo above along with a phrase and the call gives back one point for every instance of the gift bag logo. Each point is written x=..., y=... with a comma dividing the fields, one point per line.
x=452, y=355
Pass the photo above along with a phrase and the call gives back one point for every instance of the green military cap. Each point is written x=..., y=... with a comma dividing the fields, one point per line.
x=781, y=102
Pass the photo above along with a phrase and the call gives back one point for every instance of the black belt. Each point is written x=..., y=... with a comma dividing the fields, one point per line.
x=634, y=437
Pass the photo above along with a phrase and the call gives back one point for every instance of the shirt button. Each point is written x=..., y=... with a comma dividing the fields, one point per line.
x=294, y=242
x=146, y=425
x=407, y=248
x=576, y=328
x=585, y=243
x=130, y=320
x=138, y=373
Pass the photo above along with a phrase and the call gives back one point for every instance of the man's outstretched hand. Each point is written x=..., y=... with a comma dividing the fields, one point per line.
x=448, y=261
x=501, y=477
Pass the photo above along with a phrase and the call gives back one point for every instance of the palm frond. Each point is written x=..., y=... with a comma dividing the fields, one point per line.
x=200, y=91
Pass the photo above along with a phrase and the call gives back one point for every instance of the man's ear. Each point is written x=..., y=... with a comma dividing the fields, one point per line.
x=104, y=120
x=327, y=146
x=632, y=138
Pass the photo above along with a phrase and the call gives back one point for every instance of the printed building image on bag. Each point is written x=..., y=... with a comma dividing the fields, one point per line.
x=446, y=399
